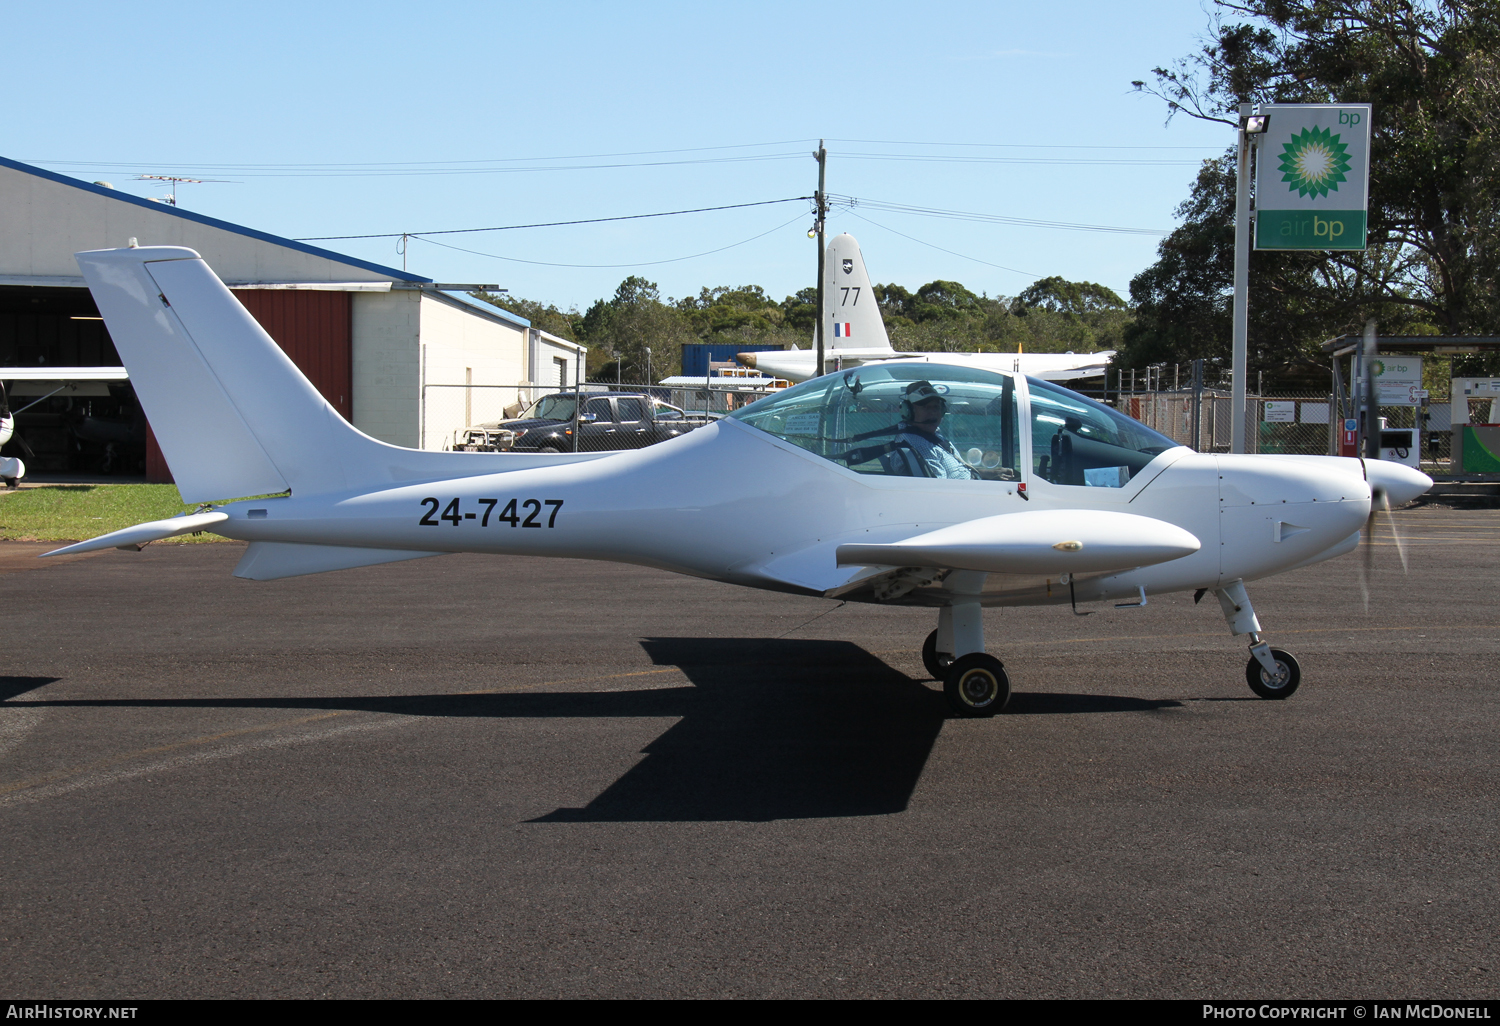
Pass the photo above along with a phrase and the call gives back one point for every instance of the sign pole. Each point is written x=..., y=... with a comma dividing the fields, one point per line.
x=1370, y=415
x=1238, y=364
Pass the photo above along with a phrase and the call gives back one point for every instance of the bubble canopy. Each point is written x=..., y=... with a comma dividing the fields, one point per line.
x=966, y=424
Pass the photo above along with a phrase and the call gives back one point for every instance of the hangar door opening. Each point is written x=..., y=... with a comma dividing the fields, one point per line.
x=89, y=427
x=98, y=428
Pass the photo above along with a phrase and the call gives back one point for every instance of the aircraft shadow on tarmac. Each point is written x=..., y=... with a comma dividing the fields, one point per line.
x=769, y=729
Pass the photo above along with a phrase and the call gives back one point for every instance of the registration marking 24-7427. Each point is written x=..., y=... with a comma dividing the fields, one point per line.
x=512, y=514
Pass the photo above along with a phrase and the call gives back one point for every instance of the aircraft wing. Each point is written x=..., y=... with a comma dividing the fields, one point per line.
x=1034, y=542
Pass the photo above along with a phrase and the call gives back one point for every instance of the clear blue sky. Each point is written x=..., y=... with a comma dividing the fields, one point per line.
x=511, y=111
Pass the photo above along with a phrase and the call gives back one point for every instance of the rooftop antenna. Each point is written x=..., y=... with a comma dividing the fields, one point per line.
x=174, y=179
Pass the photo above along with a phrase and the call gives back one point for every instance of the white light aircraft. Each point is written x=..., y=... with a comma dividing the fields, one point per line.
x=854, y=334
x=919, y=484
x=12, y=469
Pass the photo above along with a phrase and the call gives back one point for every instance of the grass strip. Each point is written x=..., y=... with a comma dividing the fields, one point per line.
x=78, y=512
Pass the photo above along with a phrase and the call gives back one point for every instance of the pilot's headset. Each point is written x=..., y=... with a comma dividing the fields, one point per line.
x=916, y=392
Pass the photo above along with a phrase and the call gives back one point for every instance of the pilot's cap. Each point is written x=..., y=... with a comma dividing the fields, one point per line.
x=921, y=392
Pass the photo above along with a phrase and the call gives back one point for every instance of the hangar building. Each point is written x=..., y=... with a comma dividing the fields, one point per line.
x=405, y=359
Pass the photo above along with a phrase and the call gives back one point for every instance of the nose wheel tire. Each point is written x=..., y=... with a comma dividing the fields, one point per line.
x=1288, y=676
x=976, y=685
x=937, y=665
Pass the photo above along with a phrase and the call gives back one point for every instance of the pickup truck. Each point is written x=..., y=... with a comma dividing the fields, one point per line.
x=608, y=420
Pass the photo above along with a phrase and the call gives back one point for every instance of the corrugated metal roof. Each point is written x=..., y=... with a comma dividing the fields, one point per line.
x=487, y=308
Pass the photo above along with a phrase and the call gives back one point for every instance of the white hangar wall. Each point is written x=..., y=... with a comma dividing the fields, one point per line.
x=427, y=365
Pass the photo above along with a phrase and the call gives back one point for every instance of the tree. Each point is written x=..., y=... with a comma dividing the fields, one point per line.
x=800, y=312
x=742, y=314
x=1069, y=297
x=1431, y=72
x=622, y=328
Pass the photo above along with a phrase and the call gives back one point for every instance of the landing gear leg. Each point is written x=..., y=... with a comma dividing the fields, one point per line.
x=1271, y=673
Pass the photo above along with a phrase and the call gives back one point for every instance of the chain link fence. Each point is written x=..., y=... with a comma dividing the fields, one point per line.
x=1286, y=423
x=611, y=415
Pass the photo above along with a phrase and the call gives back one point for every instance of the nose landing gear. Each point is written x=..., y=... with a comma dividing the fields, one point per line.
x=1271, y=672
x=1274, y=683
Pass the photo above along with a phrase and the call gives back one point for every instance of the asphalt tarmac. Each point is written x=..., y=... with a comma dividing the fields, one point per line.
x=475, y=776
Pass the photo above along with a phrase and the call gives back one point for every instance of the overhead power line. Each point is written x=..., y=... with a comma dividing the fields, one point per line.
x=637, y=263
x=926, y=158
x=929, y=245
x=605, y=161
x=556, y=224
x=400, y=171
x=964, y=215
x=1025, y=146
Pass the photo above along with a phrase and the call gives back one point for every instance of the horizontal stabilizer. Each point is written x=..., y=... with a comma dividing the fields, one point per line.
x=1035, y=542
x=140, y=534
x=271, y=561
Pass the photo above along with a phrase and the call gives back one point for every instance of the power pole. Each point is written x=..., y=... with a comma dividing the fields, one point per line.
x=820, y=198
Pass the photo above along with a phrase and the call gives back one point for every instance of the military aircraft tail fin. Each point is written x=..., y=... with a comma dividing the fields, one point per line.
x=852, y=316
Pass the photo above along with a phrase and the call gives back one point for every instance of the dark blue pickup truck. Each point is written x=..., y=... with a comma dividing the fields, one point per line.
x=607, y=420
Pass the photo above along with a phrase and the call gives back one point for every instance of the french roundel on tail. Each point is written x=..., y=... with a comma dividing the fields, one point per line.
x=852, y=315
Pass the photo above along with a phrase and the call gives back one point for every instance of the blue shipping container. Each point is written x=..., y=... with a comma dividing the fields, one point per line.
x=696, y=356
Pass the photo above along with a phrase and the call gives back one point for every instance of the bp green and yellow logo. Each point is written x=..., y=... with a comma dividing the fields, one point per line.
x=1314, y=162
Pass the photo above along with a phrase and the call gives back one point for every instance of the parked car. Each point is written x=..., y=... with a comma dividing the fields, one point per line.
x=607, y=420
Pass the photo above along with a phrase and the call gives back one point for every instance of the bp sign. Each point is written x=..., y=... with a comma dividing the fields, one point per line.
x=1312, y=178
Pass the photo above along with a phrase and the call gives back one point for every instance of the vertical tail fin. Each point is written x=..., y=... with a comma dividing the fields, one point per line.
x=232, y=414
x=851, y=315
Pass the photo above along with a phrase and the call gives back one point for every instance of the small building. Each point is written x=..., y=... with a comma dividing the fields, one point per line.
x=405, y=359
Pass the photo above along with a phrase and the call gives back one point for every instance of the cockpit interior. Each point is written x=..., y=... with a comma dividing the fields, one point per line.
x=965, y=423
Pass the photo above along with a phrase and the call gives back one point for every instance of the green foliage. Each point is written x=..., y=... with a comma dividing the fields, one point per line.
x=744, y=314
x=1053, y=316
x=944, y=316
x=1432, y=74
x=620, y=330
x=1058, y=295
x=801, y=311
x=77, y=512
x=545, y=316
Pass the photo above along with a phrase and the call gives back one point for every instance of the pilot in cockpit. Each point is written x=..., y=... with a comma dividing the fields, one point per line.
x=922, y=411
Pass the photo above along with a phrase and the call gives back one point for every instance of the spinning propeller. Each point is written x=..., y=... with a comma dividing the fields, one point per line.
x=1380, y=502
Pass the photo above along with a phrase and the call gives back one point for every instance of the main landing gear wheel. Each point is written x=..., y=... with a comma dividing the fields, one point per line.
x=1288, y=676
x=976, y=685
x=937, y=665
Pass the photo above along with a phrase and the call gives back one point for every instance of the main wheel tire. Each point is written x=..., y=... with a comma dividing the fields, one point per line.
x=976, y=685
x=1288, y=676
x=550, y=450
x=937, y=665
